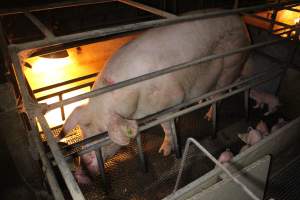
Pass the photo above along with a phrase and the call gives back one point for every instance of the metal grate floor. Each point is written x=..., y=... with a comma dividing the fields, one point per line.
x=285, y=184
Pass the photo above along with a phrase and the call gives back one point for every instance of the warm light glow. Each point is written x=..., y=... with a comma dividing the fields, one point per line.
x=288, y=17
x=87, y=60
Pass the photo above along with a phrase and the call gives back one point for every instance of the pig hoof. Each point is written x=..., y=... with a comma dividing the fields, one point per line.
x=165, y=149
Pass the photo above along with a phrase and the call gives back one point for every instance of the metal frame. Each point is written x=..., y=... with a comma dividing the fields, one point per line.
x=35, y=110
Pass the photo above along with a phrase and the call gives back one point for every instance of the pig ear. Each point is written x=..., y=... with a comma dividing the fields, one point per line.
x=120, y=130
x=243, y=137
x=75, y=117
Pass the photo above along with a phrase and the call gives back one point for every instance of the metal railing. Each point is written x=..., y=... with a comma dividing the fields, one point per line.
x=35, y=110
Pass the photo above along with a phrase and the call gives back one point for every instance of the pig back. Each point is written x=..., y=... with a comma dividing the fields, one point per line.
x=170, y=45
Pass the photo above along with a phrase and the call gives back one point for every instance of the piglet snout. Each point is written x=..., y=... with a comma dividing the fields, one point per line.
x=225, y=157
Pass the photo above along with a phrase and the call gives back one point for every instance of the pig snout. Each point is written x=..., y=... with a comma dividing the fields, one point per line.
x=225, y=157
x=81, y=177
x=89, y=160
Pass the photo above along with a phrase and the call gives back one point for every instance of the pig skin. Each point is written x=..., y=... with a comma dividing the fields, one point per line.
x=116, y=112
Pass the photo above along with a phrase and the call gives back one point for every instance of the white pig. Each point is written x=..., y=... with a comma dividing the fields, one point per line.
x=262, y=98
x=225, y=157
x=156, y=49
x=252, y=137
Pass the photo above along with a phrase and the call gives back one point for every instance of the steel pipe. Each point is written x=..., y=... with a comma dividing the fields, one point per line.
x=103, y=138
x=158, y=73
x=139, y=26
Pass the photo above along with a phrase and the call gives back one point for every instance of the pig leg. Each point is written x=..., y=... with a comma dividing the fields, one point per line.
x=166, y=146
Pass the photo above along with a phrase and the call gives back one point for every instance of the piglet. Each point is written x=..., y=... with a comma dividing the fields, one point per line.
x=81, y=176
x=262, y=98
x=280, y=124
x=252, y=137
x=225, y=157
x=244, y=148
x=262, y=128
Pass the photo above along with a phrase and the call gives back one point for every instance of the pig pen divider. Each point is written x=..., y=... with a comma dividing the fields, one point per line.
x=35, y=110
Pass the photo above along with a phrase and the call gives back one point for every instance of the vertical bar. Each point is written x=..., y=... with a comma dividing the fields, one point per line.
x=290, y=57
x=246, y=103
x=174, y=137
x=214, y=122
x=236, y=4
x=63, y=117
x=141, y=153
x=102, y=169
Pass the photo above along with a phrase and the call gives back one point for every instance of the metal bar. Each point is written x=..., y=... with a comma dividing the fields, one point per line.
x=30, y=107
x=174, y=137
x=158, y=73
x=103, y=139
x=54, y=186
x=236, y=4
x=47, y=33
x=214, y=120
x=267, y=20
x=65, y=83
x=150, y=9
x=101, y=166
x=52, y=6
x=63, y=117
x=246, y=104
x=141, y=153
x=293, y=9
x=211, y=157
x=138, y=26
x=173, y=109
x=64, y=91
x=59, y=159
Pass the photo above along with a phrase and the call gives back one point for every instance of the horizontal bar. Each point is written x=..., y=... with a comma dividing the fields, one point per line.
x=212, y=158
x=53, y=6
x=268, y=20
x=150, y=9
x=138, y=26
x=59, y=159
x=103, y=139
x=65, y=91
x=292, y=9
x=47, y=33
x=158, y=73
x=65, y=83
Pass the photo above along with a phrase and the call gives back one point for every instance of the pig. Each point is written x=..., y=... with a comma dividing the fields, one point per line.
x=280, y=124
x=225, y=157
x=252, y=137
x=262, y=128
x=244, y=148
x=117, y=111
x=262, y=98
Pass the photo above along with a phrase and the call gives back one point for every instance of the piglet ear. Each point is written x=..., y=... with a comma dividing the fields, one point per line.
x=74, y=118
x=120, y=130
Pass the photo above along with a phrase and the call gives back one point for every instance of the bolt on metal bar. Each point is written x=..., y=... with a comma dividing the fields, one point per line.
x=158, y=73
x=59, y=159
x=47, y=33
x=138, y=26
x=150, y=9
x=103, y=139
x=211, y=157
